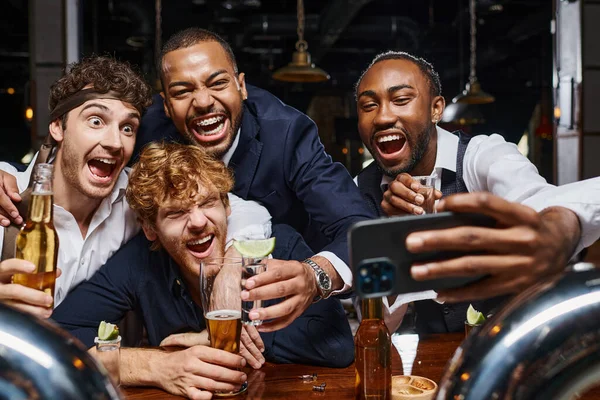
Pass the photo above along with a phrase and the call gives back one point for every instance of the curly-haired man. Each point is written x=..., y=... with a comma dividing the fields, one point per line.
x=95, y=111
x=180, y=194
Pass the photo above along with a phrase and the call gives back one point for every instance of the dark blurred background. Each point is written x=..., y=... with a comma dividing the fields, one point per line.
x=514, y=56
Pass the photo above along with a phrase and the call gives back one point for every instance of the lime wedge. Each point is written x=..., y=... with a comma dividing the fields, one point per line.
x=474, y=317
x=255, y=248
x=107, y=331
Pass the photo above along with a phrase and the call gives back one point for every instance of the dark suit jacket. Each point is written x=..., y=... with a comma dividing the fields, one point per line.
x=150, y=284
x=280, y=162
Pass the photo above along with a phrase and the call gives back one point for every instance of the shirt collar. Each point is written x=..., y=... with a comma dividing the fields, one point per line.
x=445, y=158
x=447, y=148
x=121, y=186
x=227, y=156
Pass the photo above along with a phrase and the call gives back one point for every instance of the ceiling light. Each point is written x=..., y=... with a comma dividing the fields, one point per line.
x=473, y=94
x=463, y=114
x=301, y=69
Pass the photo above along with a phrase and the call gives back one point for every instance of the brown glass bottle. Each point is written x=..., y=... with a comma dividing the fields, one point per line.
x=373, y=357
x=37, y=241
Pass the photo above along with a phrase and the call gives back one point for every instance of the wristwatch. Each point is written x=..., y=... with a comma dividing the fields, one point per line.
x=323, y=280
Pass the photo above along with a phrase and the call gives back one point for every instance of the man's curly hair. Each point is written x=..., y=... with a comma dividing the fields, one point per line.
x=173, y=171
x=103, y=74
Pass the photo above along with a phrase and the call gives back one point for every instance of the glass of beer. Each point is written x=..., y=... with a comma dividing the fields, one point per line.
x=221, y=289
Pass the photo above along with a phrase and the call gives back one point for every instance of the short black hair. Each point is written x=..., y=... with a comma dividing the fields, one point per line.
x=190, y=37
x=425, y=66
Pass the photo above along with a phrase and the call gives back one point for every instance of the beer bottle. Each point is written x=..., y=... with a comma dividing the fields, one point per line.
x=37, y=241
x=373, y=357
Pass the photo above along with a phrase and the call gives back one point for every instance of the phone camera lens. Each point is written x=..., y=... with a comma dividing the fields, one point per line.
x=367, y=285
x=385, y=283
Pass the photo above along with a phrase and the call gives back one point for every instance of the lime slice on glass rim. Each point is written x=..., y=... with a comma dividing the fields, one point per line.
x=255, y=248
x=474, y=317
x=107, y=331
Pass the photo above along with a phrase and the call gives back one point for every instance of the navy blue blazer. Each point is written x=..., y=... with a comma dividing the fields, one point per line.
x=281, y=163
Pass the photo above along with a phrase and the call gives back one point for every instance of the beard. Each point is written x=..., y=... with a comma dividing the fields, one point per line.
x=70, y=169
x=418, y=147
x=177, y=248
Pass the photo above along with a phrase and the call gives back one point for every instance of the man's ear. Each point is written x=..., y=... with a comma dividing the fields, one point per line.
x=56, y=130
x=149, y=232
x=165, y=104
x=242, y=85
x=437, y=109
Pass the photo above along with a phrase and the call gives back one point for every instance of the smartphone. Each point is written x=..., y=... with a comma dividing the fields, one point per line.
x=381, y=263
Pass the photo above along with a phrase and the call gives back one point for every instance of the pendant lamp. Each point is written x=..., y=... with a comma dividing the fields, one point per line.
x=473, y=94
x=301, y=69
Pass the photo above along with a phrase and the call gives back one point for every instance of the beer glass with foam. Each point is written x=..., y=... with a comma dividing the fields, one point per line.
x=221, y=288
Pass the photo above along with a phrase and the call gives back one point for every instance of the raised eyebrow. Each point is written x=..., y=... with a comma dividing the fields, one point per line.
x=134, y=115
x=95, y=105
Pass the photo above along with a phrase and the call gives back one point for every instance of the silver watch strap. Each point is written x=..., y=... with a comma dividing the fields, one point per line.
x=318, y=270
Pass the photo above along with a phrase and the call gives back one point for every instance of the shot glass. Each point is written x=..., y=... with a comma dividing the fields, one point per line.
x=427, y=190
x=475, y=327
x=251, y=267
x=471, y=327
x=108, y=352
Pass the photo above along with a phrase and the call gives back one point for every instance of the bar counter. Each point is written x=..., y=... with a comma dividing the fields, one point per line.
x=281, y=381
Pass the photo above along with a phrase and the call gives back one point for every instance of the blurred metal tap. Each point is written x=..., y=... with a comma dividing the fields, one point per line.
x=40, y=361
x=544, y=344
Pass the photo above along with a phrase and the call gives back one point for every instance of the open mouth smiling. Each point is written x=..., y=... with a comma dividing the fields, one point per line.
x=391, y=143
x=102, y=168
x=202, y=245
x=209, y=128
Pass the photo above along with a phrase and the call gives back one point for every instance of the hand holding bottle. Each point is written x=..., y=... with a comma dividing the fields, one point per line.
x=37, y=241
x=22, y=298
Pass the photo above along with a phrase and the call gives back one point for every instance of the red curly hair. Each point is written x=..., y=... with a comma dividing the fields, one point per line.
x=173, y=171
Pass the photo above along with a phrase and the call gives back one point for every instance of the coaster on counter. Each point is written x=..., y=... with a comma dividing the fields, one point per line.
x=411, y=387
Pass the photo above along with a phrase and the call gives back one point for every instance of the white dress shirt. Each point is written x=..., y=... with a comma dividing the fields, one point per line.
x=341, y=267
x=493, y=165
x=114, y=223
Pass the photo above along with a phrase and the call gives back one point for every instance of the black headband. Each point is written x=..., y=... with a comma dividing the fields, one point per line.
x=77, y=99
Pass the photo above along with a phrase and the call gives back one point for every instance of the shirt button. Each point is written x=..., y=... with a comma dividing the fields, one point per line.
x=446, y=310
x=178, y=282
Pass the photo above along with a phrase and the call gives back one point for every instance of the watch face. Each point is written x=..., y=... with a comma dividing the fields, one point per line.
x=324, y=281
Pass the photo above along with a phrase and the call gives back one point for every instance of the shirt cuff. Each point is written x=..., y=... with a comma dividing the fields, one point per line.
x=407, y=298
x=342, y=269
